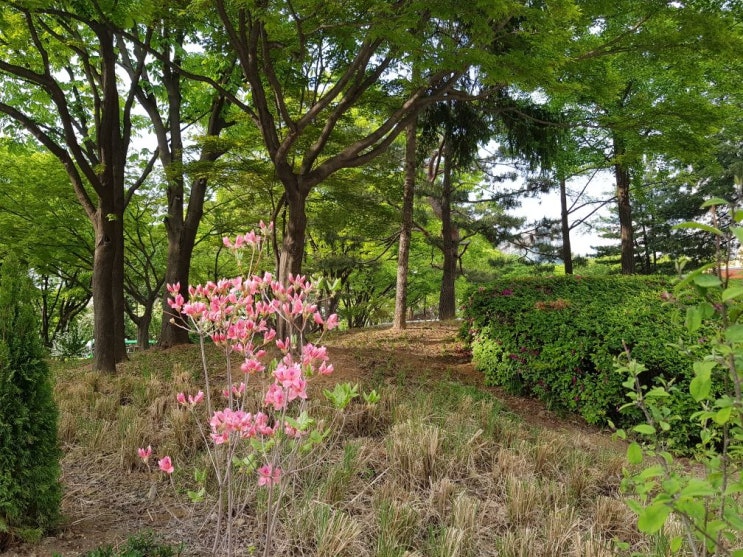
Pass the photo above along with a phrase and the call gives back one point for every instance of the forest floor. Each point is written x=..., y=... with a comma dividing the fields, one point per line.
x=103, y=505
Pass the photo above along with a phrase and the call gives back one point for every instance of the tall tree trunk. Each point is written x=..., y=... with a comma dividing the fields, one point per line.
x=622, y=176
x=143, y=328
x=112, y=148
x=182, y=229
x=292, y=247
x=567, y=255
x=103, y=303
x=450, y=245
x=403, y=250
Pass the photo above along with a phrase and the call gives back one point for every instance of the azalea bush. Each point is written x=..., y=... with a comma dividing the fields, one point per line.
x=257, y=426
x=556, y=338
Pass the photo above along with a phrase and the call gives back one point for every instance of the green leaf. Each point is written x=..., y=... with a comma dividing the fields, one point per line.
x=707, y=281
x=701, y=385
x=653, y=518
x=732, y=292
x=713, y=201
x=738, y=231
x=693, y=318
x=634, y=453
x=676, y=543
x=697, y=488
x=644, y=429
x=734, y=333
x=700, y=226
x=723, y=415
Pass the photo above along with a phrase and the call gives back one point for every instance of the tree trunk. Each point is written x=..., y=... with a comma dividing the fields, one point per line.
x=292, y=248
x=143, y=328
x=567, y=255
x=622, y=175
x=403, y=250
x=103, y=303
x=450, y=245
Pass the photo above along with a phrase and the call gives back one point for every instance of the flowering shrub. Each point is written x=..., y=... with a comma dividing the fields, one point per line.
x=241, y=315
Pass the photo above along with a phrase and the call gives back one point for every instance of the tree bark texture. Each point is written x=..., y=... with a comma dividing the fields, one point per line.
x=406, y=228
x=450, y=247
x=567, y=255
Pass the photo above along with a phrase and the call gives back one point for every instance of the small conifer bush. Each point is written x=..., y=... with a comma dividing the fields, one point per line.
x=30, y=492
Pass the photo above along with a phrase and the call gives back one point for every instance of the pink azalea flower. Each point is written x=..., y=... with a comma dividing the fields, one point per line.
x=275, y=397
x=145, y=454
x=268, y=475
x=181, y=398
x=166, y=465
x=194, y=400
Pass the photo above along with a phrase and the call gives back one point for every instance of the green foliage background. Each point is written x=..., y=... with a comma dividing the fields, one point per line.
x=30, y=492
x=558, y=338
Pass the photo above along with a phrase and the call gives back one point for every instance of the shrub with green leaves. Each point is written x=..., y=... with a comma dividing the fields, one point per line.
x=30, y=492
x=557, y=338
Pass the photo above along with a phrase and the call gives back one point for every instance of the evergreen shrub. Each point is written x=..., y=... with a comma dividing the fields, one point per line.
x=30, y=493
x=557, y=338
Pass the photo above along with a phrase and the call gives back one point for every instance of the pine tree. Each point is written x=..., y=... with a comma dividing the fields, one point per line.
x=30, y=492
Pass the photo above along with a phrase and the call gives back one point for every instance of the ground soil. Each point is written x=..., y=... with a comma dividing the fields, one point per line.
x=106, y=508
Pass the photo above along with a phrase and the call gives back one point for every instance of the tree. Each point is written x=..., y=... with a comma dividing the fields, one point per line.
x=151, y=55
x=311, y=66
x=49, y=231
x=406, y=227
x=66, y=59
x=30, y=492
x=644, y=77
x=455, y=131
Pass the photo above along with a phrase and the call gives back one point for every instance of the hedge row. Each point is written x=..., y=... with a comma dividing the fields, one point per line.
x=557, y=338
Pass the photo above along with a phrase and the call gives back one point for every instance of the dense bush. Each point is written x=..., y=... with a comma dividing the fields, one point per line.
x=29, y=455
x=557, y=338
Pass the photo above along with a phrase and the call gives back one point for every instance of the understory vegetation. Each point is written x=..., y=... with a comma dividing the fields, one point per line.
x=558, y=338
x=436, y=468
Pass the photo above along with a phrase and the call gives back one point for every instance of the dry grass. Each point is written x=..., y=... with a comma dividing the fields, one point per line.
x=435, y=469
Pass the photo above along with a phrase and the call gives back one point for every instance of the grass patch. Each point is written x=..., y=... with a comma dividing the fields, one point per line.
x=436, y=468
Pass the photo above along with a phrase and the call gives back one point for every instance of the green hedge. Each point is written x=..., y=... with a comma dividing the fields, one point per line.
x=557, y=338
x=30, y=492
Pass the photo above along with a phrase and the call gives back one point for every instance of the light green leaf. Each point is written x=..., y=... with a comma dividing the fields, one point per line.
x=653, y=517
x=634, y=453
x=693, y=318
x=644, y=429
x=734, y=333
x=732, y=292
x=723, y=415
x=700, y=226
x=738, y=231
x=701, y=385
x=707, y=281
x=676, y=543
x=714, y=201
x=697, y=488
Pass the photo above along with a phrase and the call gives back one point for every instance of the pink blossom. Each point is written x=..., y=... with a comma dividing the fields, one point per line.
x=194, y=400
x=331, y=322
x=284, y=345
x=325, y=369
x=174, y=288
x=275, y=397
x=166, y=465
x=145, y=454
x=268, y=475
x=181, y=398
x=252, y=366
x=318, y=319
